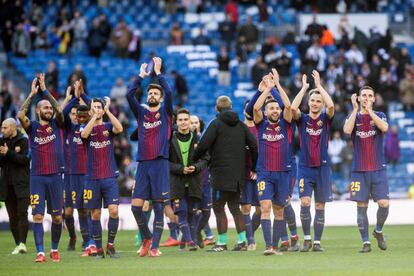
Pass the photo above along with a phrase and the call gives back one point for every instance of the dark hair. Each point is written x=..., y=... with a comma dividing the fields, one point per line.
x=271, y=101
x=248, y=117
x=97, y=100
x=183, y=111
x=365, y=87
x=83, y=108
x=155, y=86
x=202, y=125
x=314, y=91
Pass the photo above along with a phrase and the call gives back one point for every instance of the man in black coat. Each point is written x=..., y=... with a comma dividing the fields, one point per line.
x=226, y=139
x=14, y=181
x=185, y=185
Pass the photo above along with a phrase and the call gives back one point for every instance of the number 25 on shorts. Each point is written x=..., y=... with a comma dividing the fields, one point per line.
x=355, y=186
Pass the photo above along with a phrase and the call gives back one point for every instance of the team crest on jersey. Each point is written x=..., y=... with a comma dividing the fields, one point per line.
x=49, y=130
x=105, y=133
x=319, y=123
x=158, y=115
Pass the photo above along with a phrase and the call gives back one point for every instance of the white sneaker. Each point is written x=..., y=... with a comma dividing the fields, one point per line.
x=22, y=248
x=16, y=250
x=251, y=247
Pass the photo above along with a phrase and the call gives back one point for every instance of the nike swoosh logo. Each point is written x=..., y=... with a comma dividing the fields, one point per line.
x=166, y=193
x=38, y=130
x=93, y=134
x=358, y=124
x=115, y=199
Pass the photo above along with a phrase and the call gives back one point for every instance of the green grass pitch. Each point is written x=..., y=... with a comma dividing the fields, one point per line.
x=341, y=258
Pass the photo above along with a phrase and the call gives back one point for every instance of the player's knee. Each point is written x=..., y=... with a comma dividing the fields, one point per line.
x=265, y=208
x=383, y=203
x=82, y=213
x=319, y=205
x=305, y=201
x=245, y=209
x=57, y=219
x=69, y=212
x=362, y=204
x=96, y=214
x=38, y=218
x=113, y=212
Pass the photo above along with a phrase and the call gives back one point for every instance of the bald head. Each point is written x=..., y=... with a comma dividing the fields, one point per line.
x=223, y=103
x=9, y=128
x=44, y=110
x=42, y=103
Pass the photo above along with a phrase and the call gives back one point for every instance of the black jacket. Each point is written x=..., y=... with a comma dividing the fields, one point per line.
x=177, y=178
x=15, y=167
x=226, y=139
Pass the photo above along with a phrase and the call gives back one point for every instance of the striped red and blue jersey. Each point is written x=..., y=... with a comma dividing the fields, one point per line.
x=77, y=150
x=249, y=160
x=314, y=138
x=368, y=144
x=154, y=128
x=66, y=149
x=274, y=146
x=100, y=160
x=46, y=147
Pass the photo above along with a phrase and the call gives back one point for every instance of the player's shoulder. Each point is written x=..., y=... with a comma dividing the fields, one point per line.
x=381, y=115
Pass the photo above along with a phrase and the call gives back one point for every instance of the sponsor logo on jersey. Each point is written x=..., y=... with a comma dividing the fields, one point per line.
x=313, y=132
x=273, y=138
x=77, y=140
x=99, y=145
x=44, y=140
x=149, y=125
x=366, y=134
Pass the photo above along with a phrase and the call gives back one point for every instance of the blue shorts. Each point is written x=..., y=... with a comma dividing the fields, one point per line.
x=250, y=194
x=369, y=184
x=186, y=204
x=274, y=186
x=152, y=180
x=316, y=179
x=78, y=186
x=98, y=190
x=67, y=192
x=46, y=188
x=292, y=177
x=206, y=201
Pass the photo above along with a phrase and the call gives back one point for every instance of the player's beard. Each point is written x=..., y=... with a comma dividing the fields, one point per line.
x=45, y=117
x=272, y=120
x=153, y=104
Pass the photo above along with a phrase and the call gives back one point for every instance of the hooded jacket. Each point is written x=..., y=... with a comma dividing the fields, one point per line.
x=15, y=167
x=226, y=139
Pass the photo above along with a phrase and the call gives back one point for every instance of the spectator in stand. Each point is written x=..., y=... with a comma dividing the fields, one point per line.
x=96, y=39
x=360, y=39
x=202, y=38
x=242, y=53
x=105, y=29
x=65, y=35
x=354, y=55
x=406, y=88
x=263, y=14
x=134, y=47
x=317, y=56
x=20, y=42
x=283, y=64
x=251, y=34
x=177, y=35
x=191, y=5
x=232, y=10
x=80, y=32
x=334, y=150
x=289, y=37
x=227, y=31
x=7, y=108
x=77, y=74
x=6, y=37
x=314, y=28
x=121, y=36
x=403, y=61
x=119, y=91
x=327, y=38
x=223, y=60
x=392, y=146
x=181, y=89
x=42, y=41
x=346, y=156
x=259, y=69
x=52, y=78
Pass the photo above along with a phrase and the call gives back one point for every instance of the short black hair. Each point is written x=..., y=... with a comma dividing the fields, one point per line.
x=314, y=91
x=97, y=100
x=155, y=86
x=183, y=111
x=271, y=101
x=366, y=87
x=83, y=108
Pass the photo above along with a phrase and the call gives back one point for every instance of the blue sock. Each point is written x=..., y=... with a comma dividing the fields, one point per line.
x=279, y=230
x=184, y=227
x=38, y=233
x=97, y=233
x=91, y=240
x=305, y=217
x=208, y=231
x=70, y=225
x=290, y=218
x=318, y=224
x=255, y=221
x=249, y=229
x=83, y=225
x=382, y=215
x=284, y=234
x=142, y=222
x=172, y=226
x=158, y=224
x=56, y=230
x=112, y=229
x=267, y=232
x=362, y=219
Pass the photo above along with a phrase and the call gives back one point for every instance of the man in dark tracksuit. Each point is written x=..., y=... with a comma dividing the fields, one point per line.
x=185, y=186
x=14, y=181
x=226, y=139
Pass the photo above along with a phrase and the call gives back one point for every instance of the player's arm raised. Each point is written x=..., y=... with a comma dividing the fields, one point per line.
x=132, y=88
x=117, y=126
x=378, y=121
x=59, y=113
x=257, y=108
x=253, y=100
x=168, y=103
x=89, y=126
x=299, y=97
x=350, y=122
x=330, y=107
x=21, y=115
x=287, y=111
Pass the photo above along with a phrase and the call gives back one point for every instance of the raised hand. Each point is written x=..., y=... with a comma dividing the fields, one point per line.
x=68, y=92
x=41, y=78
x=157, y=65
x=317, y=78
x=354, y=101
x=78, y=88
x=269, y=82
x=35, y=87
x=275, y=76
x=107, y=104
x=305, y=84
x=143, y=70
